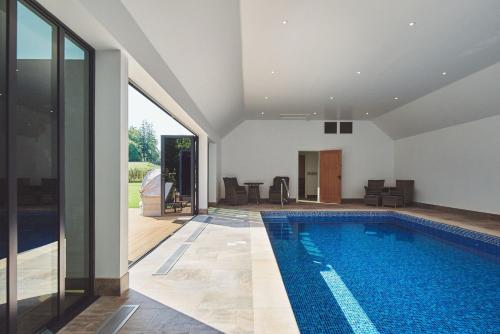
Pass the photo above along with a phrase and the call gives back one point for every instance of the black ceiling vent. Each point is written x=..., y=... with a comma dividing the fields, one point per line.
x=330, y=127
x=345, y=127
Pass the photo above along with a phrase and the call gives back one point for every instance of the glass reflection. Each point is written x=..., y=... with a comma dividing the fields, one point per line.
x=37, y=170
x=76, y=123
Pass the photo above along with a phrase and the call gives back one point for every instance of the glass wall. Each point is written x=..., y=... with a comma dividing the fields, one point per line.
x=36, y=170
x=3, y=171
x=45, y=117
x=76, y=161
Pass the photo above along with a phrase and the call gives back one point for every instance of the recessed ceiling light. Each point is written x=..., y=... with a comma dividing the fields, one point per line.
x=358, y=72
x=284, y=21
x=315, y=113
x=444, y=73
x=396, y=98
x=272, y=72
x=266, y=97
x=331, y=97
x=262, y=113
x=411, y=24
x=366, y=113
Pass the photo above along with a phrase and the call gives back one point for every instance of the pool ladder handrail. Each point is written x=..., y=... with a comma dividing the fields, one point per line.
x=283, y=182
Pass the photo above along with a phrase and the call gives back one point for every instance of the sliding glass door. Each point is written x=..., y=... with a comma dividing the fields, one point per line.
x=37, y=171
x=45, y=169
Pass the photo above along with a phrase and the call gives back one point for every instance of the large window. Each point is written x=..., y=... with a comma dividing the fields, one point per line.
x=45, y=148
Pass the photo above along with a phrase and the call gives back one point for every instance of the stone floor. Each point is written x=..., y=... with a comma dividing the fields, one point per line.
x=228, y=279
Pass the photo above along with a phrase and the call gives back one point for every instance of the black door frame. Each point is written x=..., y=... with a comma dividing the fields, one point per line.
x=63, y=315
x=194, y=171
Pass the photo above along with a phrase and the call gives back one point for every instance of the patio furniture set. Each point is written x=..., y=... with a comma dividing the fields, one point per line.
x=238, y=195
x=376, y=193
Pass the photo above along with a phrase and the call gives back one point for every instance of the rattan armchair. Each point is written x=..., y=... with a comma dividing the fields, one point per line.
x=373, y=192
x=235, y=194
x=401, y=195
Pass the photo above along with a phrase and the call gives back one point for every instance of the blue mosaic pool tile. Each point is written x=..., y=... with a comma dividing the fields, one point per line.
x=480, y=241
x=380, y=257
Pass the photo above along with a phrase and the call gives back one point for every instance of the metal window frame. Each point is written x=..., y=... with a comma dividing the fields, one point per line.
x=63, y=315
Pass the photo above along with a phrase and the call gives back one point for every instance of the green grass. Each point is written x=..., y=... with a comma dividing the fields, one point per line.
x=134, y=197
x=142, y=165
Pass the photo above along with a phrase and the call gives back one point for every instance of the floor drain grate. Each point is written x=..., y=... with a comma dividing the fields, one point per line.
x=172, y=260
x=198, y=231
x=117, y=320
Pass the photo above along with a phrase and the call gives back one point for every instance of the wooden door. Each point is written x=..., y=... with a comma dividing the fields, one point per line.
x=330, y=176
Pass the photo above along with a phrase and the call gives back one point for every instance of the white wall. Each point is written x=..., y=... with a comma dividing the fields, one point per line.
x=458, y=166
x=258, y=150
x=111, y=160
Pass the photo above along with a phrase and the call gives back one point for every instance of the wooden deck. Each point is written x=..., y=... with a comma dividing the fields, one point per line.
x=144, y=233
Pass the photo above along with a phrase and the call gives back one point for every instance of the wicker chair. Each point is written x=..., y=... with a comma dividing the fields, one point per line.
x=275, y=190
x=373, y=192
x=401, y=195
x=235, y=194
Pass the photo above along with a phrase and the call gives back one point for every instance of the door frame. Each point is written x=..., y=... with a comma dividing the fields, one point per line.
x=318, y=200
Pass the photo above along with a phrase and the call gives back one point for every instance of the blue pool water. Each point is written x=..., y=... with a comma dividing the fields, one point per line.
x=386, y=274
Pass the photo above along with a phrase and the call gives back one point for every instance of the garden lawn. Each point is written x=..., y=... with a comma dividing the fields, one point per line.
x=134, y=197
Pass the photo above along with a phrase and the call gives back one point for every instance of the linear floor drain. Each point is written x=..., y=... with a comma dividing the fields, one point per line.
x=172, y=260
x=117, y=320
x=198, y=231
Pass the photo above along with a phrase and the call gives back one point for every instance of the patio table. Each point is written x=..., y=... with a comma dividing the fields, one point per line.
x=254, y=191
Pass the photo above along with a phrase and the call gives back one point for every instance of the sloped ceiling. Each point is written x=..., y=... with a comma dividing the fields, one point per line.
x=201, y=43
x=226, y=56
x=324, y=43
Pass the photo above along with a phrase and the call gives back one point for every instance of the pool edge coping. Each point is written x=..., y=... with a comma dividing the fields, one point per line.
x=272, y=310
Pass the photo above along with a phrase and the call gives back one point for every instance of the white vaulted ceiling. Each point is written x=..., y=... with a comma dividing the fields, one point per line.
x=201, y=43
x=324, y=43
x=230, y=55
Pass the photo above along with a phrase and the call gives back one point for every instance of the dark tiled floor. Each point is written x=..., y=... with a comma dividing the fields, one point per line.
x=150, y=318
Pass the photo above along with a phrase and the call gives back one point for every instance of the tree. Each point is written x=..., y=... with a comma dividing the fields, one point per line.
x=133, y=149
x=143, y=139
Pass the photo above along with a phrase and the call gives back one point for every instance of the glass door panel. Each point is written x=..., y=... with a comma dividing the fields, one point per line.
x=76, y=176
x=4, y=227
x=178, y=177
x=37, y=170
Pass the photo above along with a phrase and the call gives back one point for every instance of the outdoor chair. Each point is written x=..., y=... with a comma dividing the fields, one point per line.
x=401, y=195
x=373, y=192
x=235, y=194
x=275, y=190
x=170, y=202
